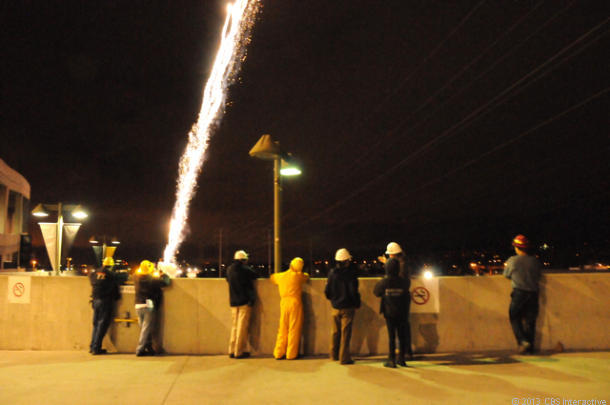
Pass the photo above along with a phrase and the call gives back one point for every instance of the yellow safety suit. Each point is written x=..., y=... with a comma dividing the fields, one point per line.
x=290, y=284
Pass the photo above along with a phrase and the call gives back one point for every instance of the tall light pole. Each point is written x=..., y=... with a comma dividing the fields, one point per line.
x=267, y=149
x=42, y=210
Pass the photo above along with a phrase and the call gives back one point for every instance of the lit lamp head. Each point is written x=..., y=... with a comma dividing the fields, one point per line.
x=115, y=241
x=39, y=211
x=93, y=240
x=79, y=213
x=288, y=167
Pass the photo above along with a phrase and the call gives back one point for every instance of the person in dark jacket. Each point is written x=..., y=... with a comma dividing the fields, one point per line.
x=342, y=291
x=148, y=284
x=104, y=291
x=242, y=295
x=523, y=270
x=395, y=298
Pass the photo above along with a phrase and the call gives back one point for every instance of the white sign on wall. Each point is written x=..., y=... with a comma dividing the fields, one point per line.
x=424, y=295
x=19, y=290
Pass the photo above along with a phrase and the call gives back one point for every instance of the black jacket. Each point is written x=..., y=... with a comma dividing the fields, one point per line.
x=149, y=288
x=342, y=288
x=241, y=287
x=104, y=284
x=394, y=292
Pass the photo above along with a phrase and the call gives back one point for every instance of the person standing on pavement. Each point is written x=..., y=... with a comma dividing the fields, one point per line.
x=290, y=285
x=242, y=295
x=148, y=284
x=394, y=251
x=523, y=270
x=394, y=293
x=104, y=292
x=342, y=291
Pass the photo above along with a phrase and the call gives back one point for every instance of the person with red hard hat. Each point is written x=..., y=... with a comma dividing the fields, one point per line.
x=524, y=272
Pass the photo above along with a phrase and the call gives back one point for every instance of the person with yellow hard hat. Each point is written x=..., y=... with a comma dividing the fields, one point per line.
x=290, y=285
x=148, y=284
x=104, y=291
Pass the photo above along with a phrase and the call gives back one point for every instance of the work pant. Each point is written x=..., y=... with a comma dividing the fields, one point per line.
x=341, y=333
x=102, y=315
x=240, y=319
x=523, y=312
x=398, y=327
x=289, y=332
x=146, y=319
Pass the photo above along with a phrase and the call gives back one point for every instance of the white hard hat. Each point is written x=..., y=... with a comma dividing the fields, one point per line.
x=240, y=255
x=342, y=255
x=393, y=249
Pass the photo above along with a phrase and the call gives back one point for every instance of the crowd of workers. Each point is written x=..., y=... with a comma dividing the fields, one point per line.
x=523, y=269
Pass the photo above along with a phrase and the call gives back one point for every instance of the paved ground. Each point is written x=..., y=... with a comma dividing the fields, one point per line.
x=50, y=378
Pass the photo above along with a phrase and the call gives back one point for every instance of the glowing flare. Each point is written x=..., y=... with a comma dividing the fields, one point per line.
x=240, y=18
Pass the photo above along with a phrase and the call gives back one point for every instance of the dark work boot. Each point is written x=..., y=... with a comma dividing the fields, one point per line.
x=391, y=363
x=401, y=360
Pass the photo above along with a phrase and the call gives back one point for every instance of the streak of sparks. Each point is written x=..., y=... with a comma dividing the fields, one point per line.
x=235, y=37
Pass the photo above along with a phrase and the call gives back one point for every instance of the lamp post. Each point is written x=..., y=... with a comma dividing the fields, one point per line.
x=267, y=149
x=42, y=210
x=100, y=255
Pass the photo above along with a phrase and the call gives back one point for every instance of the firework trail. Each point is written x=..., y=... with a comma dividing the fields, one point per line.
x=235, y=37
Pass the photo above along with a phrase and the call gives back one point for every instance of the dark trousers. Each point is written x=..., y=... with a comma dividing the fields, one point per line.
x=523, y=312
x=341, y=334
x=399, y=327
x=102, y=315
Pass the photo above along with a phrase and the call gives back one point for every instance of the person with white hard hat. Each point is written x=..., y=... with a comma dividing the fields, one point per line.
x=242, y=296
x=394, y=251
x=342, y=291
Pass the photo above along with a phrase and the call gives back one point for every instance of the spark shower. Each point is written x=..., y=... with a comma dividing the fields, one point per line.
x=234, y=39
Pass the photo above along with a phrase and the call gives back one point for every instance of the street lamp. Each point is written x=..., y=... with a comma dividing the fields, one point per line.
x=101, y=251
x=52, y=232
x=267, y=149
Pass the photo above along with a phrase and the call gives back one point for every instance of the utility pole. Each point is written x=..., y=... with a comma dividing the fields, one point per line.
x=269, y=251
x=220, y=253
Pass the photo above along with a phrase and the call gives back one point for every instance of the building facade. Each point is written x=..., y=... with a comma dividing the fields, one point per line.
x=14, y=214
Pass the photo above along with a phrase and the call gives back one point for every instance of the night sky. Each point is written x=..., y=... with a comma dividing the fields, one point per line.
x=438, y=124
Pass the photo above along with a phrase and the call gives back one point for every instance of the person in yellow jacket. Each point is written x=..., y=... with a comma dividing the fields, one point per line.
x=290, y=284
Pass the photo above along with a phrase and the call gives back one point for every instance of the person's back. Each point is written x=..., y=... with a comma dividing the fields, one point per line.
x=103, y=283
x=241, y=288
x=342, y=288
x=290, y=282
x=523, y=271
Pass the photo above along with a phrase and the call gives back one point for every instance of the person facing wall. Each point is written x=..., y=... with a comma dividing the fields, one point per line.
x=523, y=270
x=242, y=296
x=342, y=291
x=290, y=286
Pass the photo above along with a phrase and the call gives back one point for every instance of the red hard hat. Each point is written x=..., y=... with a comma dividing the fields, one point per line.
x=521, y=242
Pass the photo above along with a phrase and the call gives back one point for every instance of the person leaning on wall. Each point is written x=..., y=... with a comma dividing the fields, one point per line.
x=523, y=270
x=290, y=285
x=104, y=292
x=148, y=284
x=342, y=291
x=242, y=296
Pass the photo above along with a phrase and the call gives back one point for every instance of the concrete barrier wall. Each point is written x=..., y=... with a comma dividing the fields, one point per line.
x=195, y=316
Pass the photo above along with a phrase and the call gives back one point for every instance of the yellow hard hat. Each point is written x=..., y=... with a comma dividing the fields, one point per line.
x=297, y=264
x=145, y=267
x=108, y=261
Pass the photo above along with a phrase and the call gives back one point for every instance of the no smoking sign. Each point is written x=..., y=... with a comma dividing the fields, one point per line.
x=19, y=290
x=420, y=295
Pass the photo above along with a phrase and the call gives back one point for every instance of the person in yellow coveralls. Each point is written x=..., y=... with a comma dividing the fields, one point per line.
x=290, y=284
